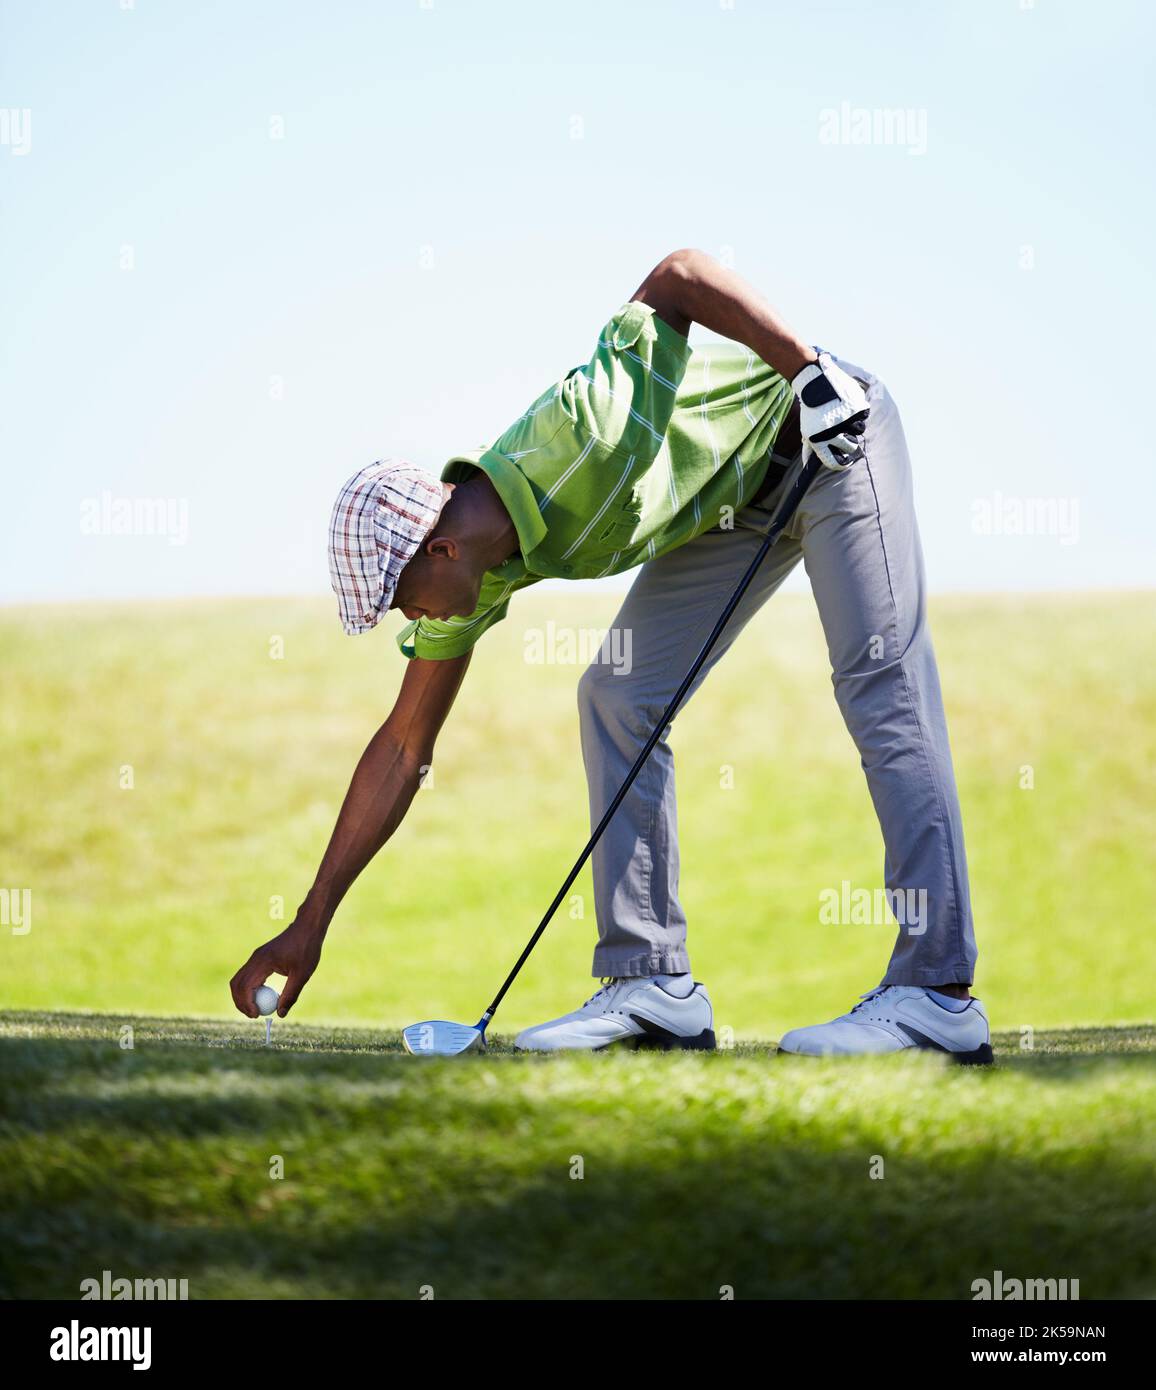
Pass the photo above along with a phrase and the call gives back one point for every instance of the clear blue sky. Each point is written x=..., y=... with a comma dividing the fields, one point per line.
x=447, y=131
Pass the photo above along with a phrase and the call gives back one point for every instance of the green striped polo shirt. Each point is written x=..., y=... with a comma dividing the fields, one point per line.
x=645, y=447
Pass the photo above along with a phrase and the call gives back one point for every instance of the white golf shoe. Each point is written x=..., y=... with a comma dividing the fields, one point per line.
x=894, y=1018
x=639, y=1012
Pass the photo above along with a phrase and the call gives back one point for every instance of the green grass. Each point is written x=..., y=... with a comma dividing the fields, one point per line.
x=735, y=1169
x=700, y=1171
x=146, y=900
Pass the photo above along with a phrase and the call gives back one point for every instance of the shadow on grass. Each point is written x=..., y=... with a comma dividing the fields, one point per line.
x=804, y=1223
x=131, y=1163
x=807, y=1226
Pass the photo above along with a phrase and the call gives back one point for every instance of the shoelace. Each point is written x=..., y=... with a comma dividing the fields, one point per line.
x=607, y=983
x=866, y=998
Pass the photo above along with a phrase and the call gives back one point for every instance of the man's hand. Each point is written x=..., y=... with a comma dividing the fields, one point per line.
x=294, y=954
x=832, y=413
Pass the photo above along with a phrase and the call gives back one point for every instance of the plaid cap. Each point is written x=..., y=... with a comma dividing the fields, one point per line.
x=381, y=516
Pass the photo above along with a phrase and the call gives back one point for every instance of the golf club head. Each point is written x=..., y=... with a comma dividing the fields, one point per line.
x=437, y=1038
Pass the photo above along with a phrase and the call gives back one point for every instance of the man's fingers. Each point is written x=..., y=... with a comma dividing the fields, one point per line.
x=244, y=982
x=293, y=987
x=845, y=453
x=835, y=451
x=854, y=424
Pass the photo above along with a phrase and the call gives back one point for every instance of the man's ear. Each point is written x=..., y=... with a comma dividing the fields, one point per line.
x=442, y=548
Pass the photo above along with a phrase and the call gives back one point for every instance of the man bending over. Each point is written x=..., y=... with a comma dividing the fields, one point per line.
x=674, y=459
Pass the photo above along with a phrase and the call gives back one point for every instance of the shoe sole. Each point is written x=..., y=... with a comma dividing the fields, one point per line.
x=655, y=1038
x=652, y=1039
x=981, y=1057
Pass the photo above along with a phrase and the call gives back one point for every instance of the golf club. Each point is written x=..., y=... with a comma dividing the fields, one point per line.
x=438, y=1038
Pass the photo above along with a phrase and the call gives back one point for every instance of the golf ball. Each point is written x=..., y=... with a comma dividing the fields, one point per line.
x=265, y=997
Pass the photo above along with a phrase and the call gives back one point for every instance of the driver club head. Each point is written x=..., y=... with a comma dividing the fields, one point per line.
x=437, y=1038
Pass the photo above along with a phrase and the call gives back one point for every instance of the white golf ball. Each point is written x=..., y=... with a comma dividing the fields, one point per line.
x=266, y=998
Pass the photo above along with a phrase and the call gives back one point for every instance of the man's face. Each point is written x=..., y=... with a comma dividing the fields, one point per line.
x=436, y=585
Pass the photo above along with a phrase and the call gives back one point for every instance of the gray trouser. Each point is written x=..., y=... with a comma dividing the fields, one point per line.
x=856, y=535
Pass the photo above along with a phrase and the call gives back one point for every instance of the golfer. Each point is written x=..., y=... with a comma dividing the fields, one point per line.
x=674, y=459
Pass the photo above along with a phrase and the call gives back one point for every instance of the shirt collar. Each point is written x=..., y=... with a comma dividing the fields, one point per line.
x=511, y=485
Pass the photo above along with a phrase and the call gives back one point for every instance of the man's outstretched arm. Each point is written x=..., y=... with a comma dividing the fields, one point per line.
x=691, y=287
x=383, y=786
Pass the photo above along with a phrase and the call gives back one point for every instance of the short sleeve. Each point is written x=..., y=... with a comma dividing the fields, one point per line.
x=625, y=395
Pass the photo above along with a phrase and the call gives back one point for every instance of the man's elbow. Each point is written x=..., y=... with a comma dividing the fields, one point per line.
x=681, y=267
x=670, y=288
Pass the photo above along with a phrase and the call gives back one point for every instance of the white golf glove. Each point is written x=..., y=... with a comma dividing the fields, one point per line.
x=832, y=413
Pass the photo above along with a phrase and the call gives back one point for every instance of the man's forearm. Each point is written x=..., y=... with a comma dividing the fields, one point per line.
x=385, y=781
x=692, y=287
x=383, y=786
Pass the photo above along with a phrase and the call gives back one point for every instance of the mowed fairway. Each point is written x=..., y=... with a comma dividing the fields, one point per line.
x=171, y=773
x=776, y=1177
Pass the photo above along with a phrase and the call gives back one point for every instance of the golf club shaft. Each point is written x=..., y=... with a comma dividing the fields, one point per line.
x=786, y=511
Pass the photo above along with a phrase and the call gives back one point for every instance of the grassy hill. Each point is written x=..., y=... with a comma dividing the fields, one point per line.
x=239, y=723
